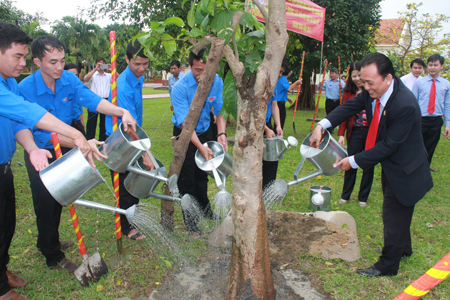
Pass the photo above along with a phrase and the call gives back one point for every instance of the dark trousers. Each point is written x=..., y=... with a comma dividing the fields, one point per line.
x=269, y=168
x=282, y=108
x=48, y=215
x=7, y=225
x=431, y=133
x=91, y=126
x=126, y=200
x=397, y=236
x=78, y=126
x=356, y=144
x=192, y=180
x=330, y=105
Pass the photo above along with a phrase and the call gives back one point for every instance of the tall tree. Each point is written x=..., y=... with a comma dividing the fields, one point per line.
x=80, y=37
x=420, y=37
x=255, y=61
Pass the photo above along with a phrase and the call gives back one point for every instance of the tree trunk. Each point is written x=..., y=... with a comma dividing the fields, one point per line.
x=250, y=254
x=181, y=145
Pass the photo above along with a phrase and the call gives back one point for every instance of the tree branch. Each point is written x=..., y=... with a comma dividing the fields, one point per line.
x=262, y=10
x=205, y=41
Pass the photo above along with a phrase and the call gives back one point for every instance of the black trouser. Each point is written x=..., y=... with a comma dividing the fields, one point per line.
x=397, y=236
x=269, y=168
x=356, y=144
x=192, y=180
x=78, y=126
x=48, y=215
x=282, y=108
x=91, y=126
x=126, y=200
x=7, y=225
x=431, y=133
x=330, y=105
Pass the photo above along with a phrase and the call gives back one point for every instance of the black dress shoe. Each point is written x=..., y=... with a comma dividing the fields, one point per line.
x=371, y=271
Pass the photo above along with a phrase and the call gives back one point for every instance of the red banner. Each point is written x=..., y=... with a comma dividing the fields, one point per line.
x=302, y=16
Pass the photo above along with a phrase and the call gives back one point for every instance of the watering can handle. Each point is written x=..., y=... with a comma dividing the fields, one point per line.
x=135, y=137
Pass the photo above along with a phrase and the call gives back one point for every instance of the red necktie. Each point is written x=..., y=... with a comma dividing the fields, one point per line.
x=431, y=103
x=373, y=129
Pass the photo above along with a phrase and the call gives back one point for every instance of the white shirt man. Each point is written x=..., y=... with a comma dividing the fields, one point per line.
x=417, y=66
x=100, y=83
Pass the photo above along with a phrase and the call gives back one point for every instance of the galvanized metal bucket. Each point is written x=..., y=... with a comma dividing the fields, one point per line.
x=329, y=153
x=276, y=146
x=121, y=150
x=70, y=177
x=320, y=198
x=140, y=186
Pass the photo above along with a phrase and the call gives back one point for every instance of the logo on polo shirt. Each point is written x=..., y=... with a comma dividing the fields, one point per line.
x=67, y=99
x=211, y=99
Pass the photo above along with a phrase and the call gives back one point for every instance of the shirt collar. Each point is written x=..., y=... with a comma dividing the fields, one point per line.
x=384, y=99
x=191, y=79
x=132, y=79
x=42, y=88
x=429, y=78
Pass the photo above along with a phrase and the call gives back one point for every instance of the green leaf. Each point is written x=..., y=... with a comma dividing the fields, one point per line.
x=224, y=24
x=182, y=3
x=204, y=5
x=205, y=21
x=154, y=25
x=258, y=33
x=191, y=16
x=247, y=20
x=143, y=39
x=169, y=46
x=195, y=32
x=229, y=95
x=252, y=60
x=344, y=226
x=168, y=264
x=174, y=20
x=211, y=7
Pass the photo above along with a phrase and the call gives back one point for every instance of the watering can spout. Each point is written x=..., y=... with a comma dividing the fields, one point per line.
x=129, y=213
x=304, y=178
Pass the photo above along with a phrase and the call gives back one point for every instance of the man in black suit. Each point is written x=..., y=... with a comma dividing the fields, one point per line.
x=397, y=144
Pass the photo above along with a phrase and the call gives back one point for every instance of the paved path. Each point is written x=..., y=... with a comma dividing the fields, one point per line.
x=153, y=96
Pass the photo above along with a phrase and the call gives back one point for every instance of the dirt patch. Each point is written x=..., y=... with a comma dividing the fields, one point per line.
x=329, y=235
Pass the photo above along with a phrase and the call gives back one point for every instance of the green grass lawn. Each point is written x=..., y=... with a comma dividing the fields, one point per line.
x=149, y=265
x=151, y=91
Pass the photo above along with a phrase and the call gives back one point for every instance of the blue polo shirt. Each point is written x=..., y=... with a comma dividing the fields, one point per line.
x=15, y=115
x=129, y=96
x=269, y=106
x=172, y=82
x=182, y=94
x=421, y=89
x=332, y=88
x=69, y=91
x=282, y=89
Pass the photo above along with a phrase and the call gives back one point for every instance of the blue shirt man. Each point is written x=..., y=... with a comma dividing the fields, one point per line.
x=282, y=88
x=331, y=87
x=62, y=103
x=192, y=180
x=173, y=80
x=15, y=115
x=432, y=114
x=129, y=96
x=175, y=69
x=184, y=92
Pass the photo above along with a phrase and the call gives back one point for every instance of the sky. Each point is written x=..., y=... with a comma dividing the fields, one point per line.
x=53, y=10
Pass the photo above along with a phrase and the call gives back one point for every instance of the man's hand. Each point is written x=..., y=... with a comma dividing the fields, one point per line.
x=97, y=155
x=206, y=152
x=171, y=107
x=343, y=164
x=317, y=137
x=82, y=144
x=39, y=158
x=279, y=131
x=128, y=120
x=269, y=133
x=447, y=131
x=341, y=141
x=147, y=161
x=223, y=141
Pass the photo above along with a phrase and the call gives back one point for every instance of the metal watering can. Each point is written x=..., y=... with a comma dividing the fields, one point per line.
x=323, y=158
x=219, y=168
x=70, y=177
x=276, y=146
x=320, y=198
x=124, y=151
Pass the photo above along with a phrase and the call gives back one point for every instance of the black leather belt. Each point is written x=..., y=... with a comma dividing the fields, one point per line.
x=433, y=118
x=5, y=167
x=332, y=99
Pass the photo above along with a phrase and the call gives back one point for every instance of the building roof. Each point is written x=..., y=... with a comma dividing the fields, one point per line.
x=389, y=32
